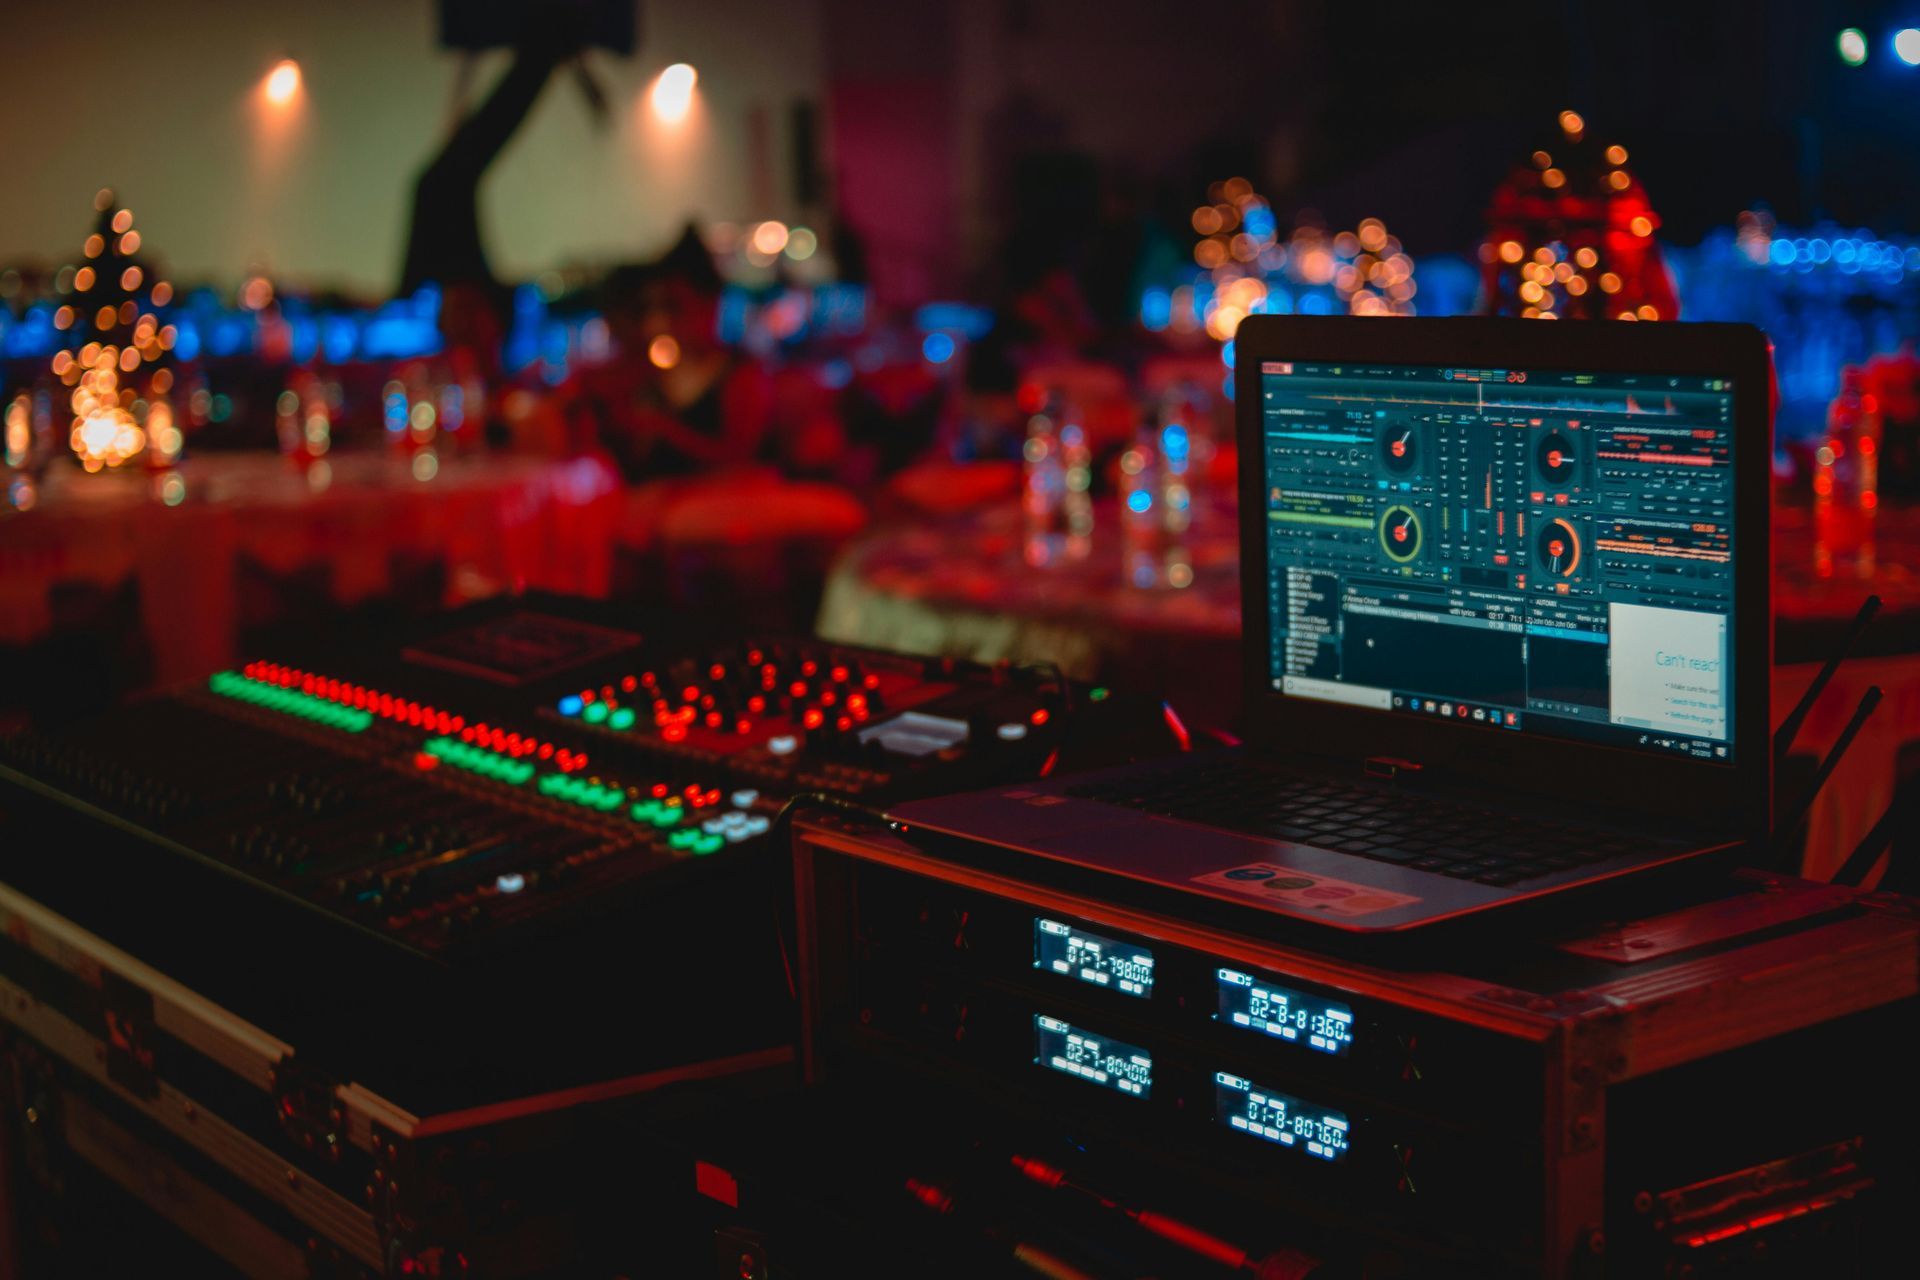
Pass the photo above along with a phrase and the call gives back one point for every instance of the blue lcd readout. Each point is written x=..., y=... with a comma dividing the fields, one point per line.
x=1279, y=1118
x=1092, y=958
x=1271, y=1009
x=1097, y=1059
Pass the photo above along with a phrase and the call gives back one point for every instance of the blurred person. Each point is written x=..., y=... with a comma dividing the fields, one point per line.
x=675, y=400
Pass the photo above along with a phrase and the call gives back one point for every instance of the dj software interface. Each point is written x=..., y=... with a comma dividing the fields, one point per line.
x=1536, y=551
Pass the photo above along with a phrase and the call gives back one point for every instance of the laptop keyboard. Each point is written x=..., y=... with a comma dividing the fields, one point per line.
x=1408, y=829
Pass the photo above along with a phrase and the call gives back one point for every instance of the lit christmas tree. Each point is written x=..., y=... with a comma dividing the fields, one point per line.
x=116, y=357
x=1570, y=237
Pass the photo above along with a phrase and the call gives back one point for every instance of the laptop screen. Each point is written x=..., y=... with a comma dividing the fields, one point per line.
x=1519, y=551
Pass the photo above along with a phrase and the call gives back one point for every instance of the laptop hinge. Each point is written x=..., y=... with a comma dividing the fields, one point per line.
x=1391, y=767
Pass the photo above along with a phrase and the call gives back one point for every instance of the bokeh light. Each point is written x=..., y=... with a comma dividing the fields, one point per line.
x=1906, y=46
x=282, y=84
x=1853, y=46
x=672, y=94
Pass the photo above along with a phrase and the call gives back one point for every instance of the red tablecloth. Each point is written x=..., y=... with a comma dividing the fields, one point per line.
x=490, y=523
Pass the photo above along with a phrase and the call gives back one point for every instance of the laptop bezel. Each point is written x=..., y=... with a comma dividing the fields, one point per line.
x=1705, y=796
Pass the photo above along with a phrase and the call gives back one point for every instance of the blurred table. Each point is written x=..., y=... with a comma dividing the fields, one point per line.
x=961, y=587
x=354, y=527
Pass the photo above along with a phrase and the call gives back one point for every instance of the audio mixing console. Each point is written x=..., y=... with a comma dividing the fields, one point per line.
x=388, y=960
x=495, y=776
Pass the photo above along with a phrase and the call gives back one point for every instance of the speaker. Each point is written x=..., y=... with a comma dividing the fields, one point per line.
x=613, y=25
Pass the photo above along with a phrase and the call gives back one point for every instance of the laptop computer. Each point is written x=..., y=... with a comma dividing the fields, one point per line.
x=1507, y=623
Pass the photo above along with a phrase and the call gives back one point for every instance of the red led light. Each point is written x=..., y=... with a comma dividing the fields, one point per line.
x=743, y=726
x=423, y=761
x=929, y=1195
x=714, y=719
x=872, y=681
x=1040, y=716
x=716, y=672
x=675, y=732
x=757, y=704
x=546, y=751
x=798, y=688
x=844, y=723
x=690, y=694
x=628, y=684
x=856, y=702
x=586, y=695
x=660, y=790
x=809, y=667
x=828, y=697
x=839, y=675
x=813, y=718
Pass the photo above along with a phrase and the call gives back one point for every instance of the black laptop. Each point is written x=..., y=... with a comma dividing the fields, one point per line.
x=1505, y=594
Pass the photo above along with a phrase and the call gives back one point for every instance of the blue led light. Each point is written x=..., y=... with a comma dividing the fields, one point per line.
x=1139, y=501
x=1156, y=309
x=510, y=882
x=938, y=348
x=571, y=705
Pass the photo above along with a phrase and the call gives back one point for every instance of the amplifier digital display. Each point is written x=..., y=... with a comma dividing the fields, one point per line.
x=1097, y=1059
x=1260, y=1004
x=1274, y=1116
x=1092, y=957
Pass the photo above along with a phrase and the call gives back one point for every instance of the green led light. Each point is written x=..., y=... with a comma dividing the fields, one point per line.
x=685, y=838
x=487, y=764
x=621, y=719
x=708, y=843
x=596, y=713
x=1100, y=694
x=668, y=816
x=231, y=684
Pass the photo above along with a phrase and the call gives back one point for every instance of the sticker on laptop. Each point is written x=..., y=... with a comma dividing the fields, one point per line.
x=1304, y=891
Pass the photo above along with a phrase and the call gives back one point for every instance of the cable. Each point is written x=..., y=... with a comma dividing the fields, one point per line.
x=1060, y=681
x=1868, y=701
x=1790, y=727
x=1867, y=853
